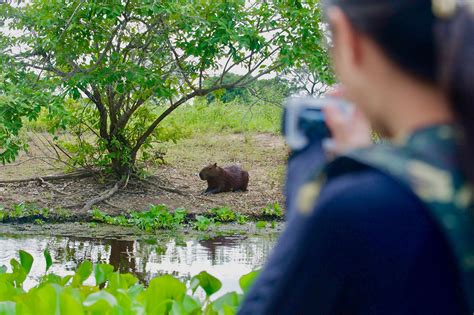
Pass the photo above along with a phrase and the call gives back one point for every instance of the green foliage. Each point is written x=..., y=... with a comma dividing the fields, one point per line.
x=88, y=149
x=246, y=281
x=26, y=211
x=257, y=90
x=226, y=215
x=136, y=62
x=113, y=293
x=223, y=214
x=48, y=259
x=207, y=282
x=156, y=217
x=22, y=97
x=261, y=224
x=273, y=210
x=202, y=223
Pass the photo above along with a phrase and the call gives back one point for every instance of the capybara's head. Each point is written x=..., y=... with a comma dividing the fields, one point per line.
x=208, y=171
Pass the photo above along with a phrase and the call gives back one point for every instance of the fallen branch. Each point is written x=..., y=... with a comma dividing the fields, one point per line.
x=52, y=187
x=173, y=190
x=75, y=175
x=104, y=196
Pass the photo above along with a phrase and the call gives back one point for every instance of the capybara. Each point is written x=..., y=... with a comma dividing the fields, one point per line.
x=230, y=178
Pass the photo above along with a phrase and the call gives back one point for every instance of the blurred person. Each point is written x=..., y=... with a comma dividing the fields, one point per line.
x=387, y=228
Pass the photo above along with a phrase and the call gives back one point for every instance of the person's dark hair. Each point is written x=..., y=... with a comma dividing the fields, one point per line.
x=437, y=48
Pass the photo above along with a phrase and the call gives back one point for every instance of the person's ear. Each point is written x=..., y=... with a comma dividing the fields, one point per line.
x=346, y=40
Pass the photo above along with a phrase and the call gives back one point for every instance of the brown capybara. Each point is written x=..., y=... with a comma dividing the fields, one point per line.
x=230, y=178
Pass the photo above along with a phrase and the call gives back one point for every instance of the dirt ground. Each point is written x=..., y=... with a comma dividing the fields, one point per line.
x=175, y=183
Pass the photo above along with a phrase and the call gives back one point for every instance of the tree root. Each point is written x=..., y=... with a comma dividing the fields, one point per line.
x=103, y=197
x=75, y=175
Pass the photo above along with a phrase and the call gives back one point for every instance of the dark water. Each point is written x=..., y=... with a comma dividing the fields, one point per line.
x=226, y=257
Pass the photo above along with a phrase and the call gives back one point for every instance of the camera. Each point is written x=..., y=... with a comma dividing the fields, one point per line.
x=304, y=120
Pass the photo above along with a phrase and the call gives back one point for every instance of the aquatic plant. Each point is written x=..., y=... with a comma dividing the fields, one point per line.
x=273, y=210
x=112, y=292
x=156, y=217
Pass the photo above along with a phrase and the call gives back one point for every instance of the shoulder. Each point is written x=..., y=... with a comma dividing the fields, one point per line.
x=371, y=205
x=368, y=187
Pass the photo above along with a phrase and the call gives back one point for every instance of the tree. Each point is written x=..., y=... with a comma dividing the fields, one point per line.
x=122, y=55
x=308, y=80
x=251, y=91
x=22, y=96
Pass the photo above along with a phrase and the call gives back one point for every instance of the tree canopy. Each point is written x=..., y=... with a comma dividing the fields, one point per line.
x=122, y=55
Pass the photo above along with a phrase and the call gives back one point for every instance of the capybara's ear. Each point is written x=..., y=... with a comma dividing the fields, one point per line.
x=215, y=164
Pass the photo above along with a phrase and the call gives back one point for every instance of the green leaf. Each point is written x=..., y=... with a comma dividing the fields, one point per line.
x=70, y=304
x=18, y=274
x=191, y=305
x=246, y=281
x=209, y=283
x=26, y=261
x=261, y=224
x=162, y=291
x=227, y=304
x=48, y=259
x=100, y=296
x=82, y=273
x=102, y=273
x=121, y=281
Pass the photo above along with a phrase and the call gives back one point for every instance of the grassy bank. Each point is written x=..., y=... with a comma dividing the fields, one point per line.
x=202, y=117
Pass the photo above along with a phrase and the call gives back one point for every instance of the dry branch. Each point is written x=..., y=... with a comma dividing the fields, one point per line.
x=75, y=175
x=103, y=197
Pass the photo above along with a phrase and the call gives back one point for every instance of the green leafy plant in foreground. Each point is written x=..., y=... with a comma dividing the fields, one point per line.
x=112, y=292
x=273, y=210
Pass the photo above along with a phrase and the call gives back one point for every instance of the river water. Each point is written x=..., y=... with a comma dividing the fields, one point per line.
x=226, y=257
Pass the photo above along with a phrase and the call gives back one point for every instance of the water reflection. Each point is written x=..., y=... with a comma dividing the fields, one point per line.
x=227, y=257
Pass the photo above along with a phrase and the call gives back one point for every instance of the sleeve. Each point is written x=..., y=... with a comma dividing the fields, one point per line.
x=307, y=270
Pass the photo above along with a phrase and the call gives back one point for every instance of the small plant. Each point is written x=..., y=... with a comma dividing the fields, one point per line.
x=261, y=224
x=273, y=210
x=30, y=211
x=38, y=222
x=202, y=223
x=223, y=214
x=241, y=218
x=157, y=217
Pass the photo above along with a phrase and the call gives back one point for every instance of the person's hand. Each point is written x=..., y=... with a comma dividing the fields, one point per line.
x=348, y=131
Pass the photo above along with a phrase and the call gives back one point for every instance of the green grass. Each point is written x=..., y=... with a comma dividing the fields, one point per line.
x=30, y=211
x=231, y=117
x=201, y=118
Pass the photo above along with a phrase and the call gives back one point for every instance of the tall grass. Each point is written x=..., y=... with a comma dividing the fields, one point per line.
x=233, y=117
x=201, y=117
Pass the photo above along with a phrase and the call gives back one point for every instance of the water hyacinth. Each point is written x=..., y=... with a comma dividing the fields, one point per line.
x=112, y=292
